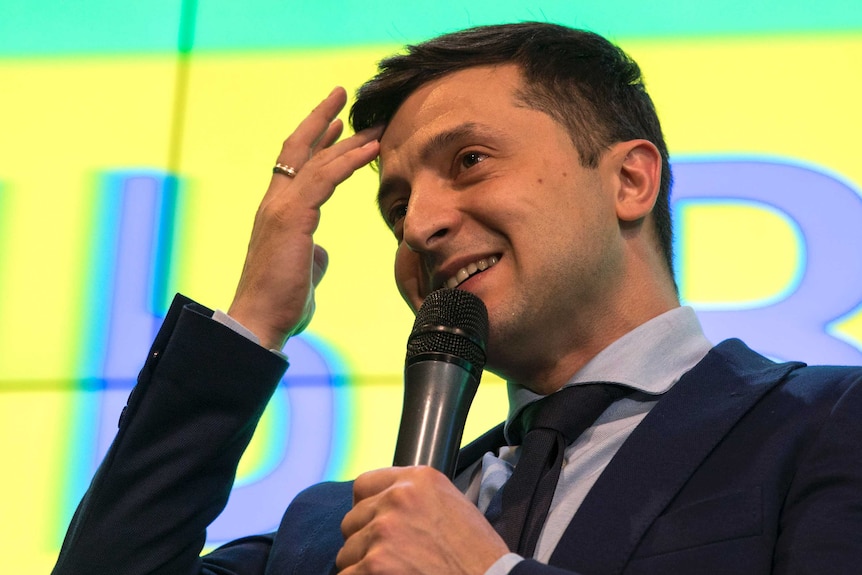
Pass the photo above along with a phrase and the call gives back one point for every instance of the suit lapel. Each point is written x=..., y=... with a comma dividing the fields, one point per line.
x=661, y=454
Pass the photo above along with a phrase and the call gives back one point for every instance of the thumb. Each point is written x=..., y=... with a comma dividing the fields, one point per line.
x=319, y=264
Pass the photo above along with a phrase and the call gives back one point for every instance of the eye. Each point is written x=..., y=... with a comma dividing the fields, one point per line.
x=396, y=213
x=470, y=159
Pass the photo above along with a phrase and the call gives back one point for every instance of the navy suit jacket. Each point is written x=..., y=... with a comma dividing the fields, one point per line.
x=744, y=466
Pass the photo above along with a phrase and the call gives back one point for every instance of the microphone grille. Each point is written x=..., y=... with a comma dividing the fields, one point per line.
x=452, y=322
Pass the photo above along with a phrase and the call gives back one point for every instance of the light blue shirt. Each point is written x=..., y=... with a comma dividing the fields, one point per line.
x=649, y=359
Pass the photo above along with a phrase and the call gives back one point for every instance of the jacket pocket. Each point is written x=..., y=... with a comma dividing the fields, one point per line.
x=723, y=517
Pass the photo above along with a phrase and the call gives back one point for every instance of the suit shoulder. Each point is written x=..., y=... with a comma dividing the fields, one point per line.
x=823, y=381
x=746, y=362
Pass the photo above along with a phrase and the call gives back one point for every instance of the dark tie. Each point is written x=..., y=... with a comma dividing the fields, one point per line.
x=551, y=425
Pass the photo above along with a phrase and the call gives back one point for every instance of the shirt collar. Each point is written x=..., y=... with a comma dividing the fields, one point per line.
x=650, y=358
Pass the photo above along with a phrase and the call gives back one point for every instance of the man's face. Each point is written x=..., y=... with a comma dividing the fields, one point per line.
x=488, y=195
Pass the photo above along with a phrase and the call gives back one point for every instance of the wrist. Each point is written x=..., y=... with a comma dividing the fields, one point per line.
x=263, y=333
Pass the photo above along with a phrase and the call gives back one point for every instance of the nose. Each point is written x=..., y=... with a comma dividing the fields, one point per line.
x=432, y=218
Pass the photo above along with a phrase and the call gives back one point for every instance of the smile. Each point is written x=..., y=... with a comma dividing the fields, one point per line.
x=469, y=270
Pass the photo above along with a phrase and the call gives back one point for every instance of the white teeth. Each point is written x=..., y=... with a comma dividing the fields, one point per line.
x=470, y=269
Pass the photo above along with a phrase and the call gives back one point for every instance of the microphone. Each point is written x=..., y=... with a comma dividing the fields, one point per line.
x=445, y=357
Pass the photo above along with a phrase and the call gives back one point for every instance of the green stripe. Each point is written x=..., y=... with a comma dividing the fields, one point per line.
x=56, y=27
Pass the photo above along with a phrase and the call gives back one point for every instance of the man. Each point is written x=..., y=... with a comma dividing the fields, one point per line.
x=523, y=163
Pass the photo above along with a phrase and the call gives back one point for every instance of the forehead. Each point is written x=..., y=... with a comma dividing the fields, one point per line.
x=479, y=95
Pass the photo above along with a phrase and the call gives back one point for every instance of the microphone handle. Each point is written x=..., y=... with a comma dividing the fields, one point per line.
x=437, y=397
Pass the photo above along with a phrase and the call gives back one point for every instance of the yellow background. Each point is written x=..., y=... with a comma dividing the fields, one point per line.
x=64, y=121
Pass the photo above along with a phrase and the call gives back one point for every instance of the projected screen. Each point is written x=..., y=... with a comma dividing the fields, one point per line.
x=136, y=140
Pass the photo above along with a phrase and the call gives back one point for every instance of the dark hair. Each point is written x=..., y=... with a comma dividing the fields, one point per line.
x=581, y=80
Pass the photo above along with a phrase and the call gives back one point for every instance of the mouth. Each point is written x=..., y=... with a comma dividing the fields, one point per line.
x=469, y=270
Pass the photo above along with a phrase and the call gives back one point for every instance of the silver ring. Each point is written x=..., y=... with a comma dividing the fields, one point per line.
x=284, y=169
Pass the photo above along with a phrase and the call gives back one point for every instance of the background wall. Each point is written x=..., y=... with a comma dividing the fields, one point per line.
x=136, y=139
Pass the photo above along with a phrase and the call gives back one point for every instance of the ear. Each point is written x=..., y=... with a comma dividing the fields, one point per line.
x=638, y=168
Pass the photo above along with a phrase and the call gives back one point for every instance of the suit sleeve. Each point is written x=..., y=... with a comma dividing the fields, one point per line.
x=170, y=469
x=820, y=529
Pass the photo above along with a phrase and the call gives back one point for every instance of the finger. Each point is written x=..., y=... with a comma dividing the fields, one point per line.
x=346, y=147
x=358, y=517
x=359, y=138
x=342, y=166
x=321, y=262
x=316, y=183
x=351, y=553
x=328, y=169
x=374, y=482
x=329, y=137
x=297, y=147
x=312, y=128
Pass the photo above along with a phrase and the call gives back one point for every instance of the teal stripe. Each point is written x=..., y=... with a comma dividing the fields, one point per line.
x=56, y=27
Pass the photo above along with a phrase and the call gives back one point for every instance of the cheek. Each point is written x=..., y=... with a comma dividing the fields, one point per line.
x=408, y=277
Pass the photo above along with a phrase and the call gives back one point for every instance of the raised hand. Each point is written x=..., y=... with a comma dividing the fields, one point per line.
x=275, y=295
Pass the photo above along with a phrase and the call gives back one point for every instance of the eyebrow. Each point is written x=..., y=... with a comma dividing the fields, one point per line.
x=433, y=146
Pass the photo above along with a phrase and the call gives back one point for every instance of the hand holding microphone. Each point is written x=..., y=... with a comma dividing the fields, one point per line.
x=445, y=357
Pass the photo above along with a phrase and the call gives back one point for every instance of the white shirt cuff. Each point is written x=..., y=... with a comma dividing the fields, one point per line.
x=228, y=321
x=504, y=564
